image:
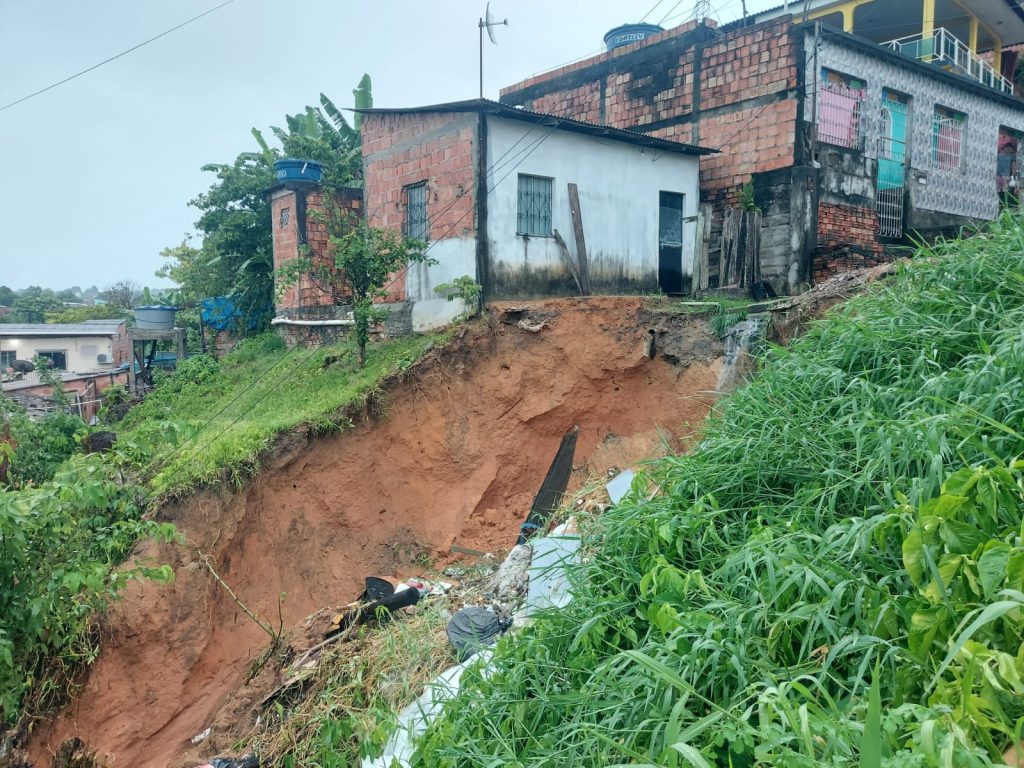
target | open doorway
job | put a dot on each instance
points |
(670, 242)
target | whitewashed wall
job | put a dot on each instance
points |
(618, 186)
(81, 351)
(456, 257)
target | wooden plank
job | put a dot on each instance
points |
(581, 243)
(569, 261)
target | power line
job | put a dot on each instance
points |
(117, 56)
(669, 12)
(652, 10)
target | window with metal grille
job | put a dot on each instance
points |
(416, 212)
(534, 210)
(840, 101)
(6, 358)
(948, 130)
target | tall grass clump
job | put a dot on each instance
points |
(834, 577)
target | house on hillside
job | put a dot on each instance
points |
(93, 345)
(88, 356)
(527, 204)
(848, 128)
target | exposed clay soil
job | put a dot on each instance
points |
(463, 446)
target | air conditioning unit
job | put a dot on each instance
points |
(103, 359)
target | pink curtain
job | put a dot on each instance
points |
(837, 121)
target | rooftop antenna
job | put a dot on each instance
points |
(488, 23)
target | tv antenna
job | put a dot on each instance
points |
(488, 23)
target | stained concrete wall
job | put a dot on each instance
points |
(619, 187)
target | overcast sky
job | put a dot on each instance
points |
(98, 172)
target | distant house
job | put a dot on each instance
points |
(490, 189)
(93, 345)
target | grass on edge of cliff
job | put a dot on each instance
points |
(211, 420)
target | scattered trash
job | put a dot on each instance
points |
(425, 586)
(474, 628)
(414, 719)
(549, 584)
(377, 588)
(199, 738)
(249, 761)
(506, 587)
(378, 609)
(619, 485)
(531, 328)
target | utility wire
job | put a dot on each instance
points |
(115, 57)
(652, 10)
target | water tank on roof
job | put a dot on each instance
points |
(294, 169)
(630, 33)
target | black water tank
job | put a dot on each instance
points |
(630, 33)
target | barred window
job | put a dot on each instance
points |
(839, 109)
(416, 211)
(534, 211)
(948, 129)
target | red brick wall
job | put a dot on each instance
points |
(121, 347)
(404, 149)
(847, 239)
(305, 293)
(738, 72)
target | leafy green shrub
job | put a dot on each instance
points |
(848, 531)
(255, 348)
(41, 446)
(60, 544)
(465, 288)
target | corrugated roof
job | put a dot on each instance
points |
(88, 328)
(554, 121)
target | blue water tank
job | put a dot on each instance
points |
(630, 33)
(294, 169)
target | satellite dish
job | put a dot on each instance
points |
(489, 24)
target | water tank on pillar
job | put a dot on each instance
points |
(630, 33)
(294, 169)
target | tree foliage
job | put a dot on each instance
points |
(7, 296)
(235, 258)
(123, 295)
(33, 303)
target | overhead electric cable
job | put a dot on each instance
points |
(115, 57)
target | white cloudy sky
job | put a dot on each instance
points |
(98, 172)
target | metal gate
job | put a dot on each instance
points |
(892, 167)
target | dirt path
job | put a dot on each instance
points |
(456, 458)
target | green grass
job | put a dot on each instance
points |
(835, 577)
(211, 421)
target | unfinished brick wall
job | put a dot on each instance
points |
(121, 347)
(744, 81)
(295, 228)
(847, 239)
(736, 90)
(440, 149)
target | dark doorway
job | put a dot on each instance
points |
(670, 243)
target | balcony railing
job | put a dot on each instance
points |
(948, 51)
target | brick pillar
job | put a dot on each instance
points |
(284, 225)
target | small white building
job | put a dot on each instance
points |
(490, 189)
(93, 345)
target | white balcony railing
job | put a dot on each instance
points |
(946, 50)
